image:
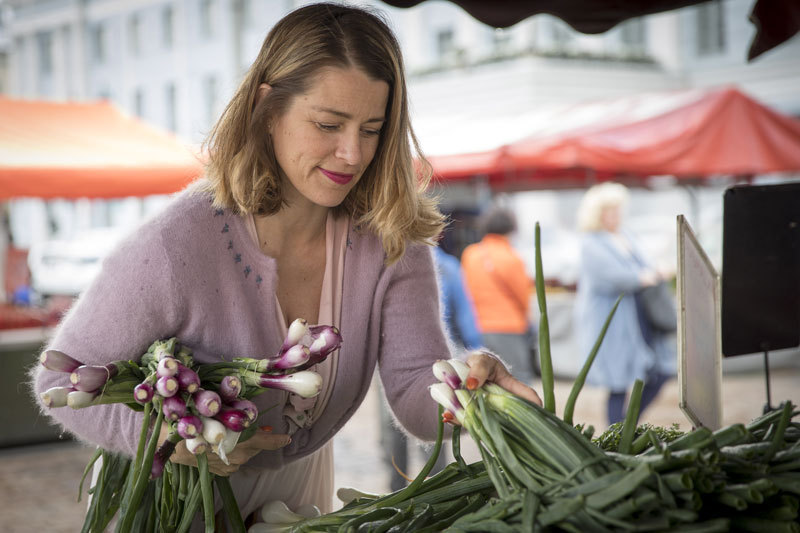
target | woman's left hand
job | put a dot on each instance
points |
(484, 367)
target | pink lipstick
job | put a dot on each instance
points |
(336, 177)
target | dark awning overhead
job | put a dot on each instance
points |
(776, 21)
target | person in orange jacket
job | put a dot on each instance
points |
(501, 289)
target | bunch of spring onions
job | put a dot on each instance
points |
(541, 473)
(550, 476)
(207, 405)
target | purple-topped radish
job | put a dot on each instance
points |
(207, 402)
(167, 386)
(233, 419)
(190, 426)
(143, 393)
(230, 387)
(446, 396)
(445, 373)
(167, 366)
(58, 361)
(325, 339)
(293, 357)
(188, 379)
(297, 330)
(247, 406)
(174, 407)
(90, 378)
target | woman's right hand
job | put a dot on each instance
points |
(261, 440)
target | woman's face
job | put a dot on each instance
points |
(328, 136)
(610, 218)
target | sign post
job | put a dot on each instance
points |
(699, 353)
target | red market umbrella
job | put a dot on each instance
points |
(686, 134)
(719, 132)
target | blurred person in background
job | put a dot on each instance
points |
(611, 264)
(458, 309)
(496, 278)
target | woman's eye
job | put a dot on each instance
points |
(327, 127)
(371, 133)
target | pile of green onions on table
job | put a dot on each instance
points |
(207, 405)
(540, 472)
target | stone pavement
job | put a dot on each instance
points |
(39, 484)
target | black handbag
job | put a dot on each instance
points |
(658, 306)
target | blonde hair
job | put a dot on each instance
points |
(243, 172)
(597, 198)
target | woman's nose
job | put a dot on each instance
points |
(349, 148)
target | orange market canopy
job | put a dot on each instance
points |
(73, 150)
(687, 134)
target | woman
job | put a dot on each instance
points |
(612, 264)
(311, 209)
(496, 278)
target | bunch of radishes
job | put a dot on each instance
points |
(208, 405)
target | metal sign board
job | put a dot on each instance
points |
(760, 261)
(699, 354)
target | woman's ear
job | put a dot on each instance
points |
(261, 93)
(263, 90)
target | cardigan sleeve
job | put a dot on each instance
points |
(412, 339)
(130, 304)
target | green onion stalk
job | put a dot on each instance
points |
(206, 405)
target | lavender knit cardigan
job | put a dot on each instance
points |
(194, 272)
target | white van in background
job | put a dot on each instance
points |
(67, 267)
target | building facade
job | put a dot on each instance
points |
(175, 63)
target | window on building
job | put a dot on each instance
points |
(501, 40)
(44, 45)
(139, 103)
(65, 56)
(167, 26)
(98, 43)
(210, 97)
(134, 34)
(170, 99)
(560, 33)
(3, 68)
(250, 12)
(710, 28)
(632, 35)
(207, 19)
(20, 50)
(445, 44)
